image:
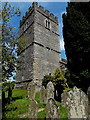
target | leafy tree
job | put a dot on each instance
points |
(8, 41)
(46, 79)
(59, 78)
(59, 81)
(21, 44)
(76, 31)
(56, 78)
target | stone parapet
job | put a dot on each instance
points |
(40, 9)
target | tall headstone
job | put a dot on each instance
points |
(31, 90)
(50, 90)
(43, 95)
(33, 109)
(52, 109)
(76, 102)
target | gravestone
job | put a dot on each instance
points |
(50, 90)
(31, 90)
(64, 97)
(88, 94)
(52, 109)
(43, 95)
(33, 109)
(76, 102)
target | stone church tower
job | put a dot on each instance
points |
(41, 54)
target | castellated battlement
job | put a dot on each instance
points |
(40, 9)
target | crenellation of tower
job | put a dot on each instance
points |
(40, 9)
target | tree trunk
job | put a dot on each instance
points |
(10, 94)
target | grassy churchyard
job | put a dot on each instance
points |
(19, 107)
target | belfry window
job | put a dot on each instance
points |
(47, 24)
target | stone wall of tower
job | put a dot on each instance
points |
(46, 47)
(26, 57)
(42, 51)
(25, 66)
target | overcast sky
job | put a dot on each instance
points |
(57, 8)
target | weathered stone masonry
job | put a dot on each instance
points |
(39, 29)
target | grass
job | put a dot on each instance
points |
(17, 94)
(63, 111)
(37, 98)
(42, 114)
(19, 106)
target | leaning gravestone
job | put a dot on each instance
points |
(33, 109)
(50, 90)
(52, 109)
(31, 90)
(88, 94)
(76, 102)
(43, 95)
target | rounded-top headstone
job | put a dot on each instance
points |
(43, 95)
(50, 86)
(32, 90)
(50, 90)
